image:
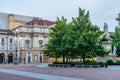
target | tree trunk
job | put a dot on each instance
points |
(56, 59)
(83, 56)
(67, 59)
(63, 57)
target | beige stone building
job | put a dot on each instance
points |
(30, 36)
(31, 39)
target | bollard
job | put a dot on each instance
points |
(106, 65)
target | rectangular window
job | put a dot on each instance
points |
(10, 47)
(40, 29)
(47, 30)
(2, 45)
(3, 40)
(30, 30)
(11, 40)
(27, 46)
(36, 57)
(27, 29)
(41, 44)
(43, 29)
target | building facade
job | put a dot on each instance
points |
(32, 37)
(7, 46)
(22, 38)
(30, 34)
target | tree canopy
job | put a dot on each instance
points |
(78, 38)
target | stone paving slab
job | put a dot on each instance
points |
(36, 75)
(110, 73)
(5, 76)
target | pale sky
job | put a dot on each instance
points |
(100, 10)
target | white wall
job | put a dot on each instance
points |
(7, 43)
(4, 19)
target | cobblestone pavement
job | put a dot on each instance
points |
(81, 73)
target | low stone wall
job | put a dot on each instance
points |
(75, 66)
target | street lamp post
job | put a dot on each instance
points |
(24, 54)
(16, 62)
(7, 49)
(20, 38)
(24, 51)
(16, 48)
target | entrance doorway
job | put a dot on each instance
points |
(2, 57)
(10, 58)
(29, 59)
(40, 58)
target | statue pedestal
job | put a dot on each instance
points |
(109, 57)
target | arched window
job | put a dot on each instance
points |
(40, 57)
(27, 43)
(2, 57)
(10, 58)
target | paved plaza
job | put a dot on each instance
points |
(43, 72)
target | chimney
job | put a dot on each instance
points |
(35, 21)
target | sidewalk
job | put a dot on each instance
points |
(36, 75)
(5, 76)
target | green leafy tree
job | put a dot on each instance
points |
(57, 43)
(87, 36)
(78, 38)
(115, 39)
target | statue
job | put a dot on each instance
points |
(105, 28)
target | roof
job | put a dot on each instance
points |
(40, 22)
(6, 31)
